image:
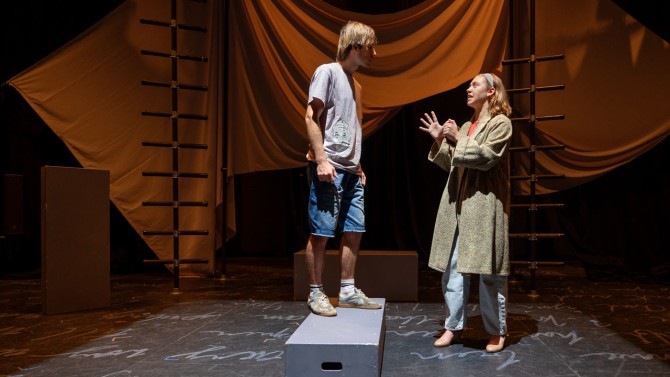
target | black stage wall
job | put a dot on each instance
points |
(617, 224)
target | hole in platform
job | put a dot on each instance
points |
(331, 366)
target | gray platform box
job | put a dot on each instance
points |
(350, 344)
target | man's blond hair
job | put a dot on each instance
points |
(352, 34)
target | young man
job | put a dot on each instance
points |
(336, 180)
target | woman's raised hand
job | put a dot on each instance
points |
(432, 127)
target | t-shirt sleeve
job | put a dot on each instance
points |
(318, 88)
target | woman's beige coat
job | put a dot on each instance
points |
(476, 199)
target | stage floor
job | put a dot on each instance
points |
(238, 327)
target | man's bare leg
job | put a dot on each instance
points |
(349, 295)
(314, 258)
(349, 246)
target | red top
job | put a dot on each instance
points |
(472, 128)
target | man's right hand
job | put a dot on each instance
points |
(326, 172)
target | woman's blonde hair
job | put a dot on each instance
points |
(498, 102)
(352, 34)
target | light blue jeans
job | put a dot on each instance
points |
(492, 297)
(338, 205)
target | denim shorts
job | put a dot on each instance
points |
(333, 206)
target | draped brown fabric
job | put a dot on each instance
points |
(615, 97)
(276, 46)
(89, 93)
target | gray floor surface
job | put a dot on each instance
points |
(239, 327)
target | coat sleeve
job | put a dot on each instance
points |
(441, 155)
(484, 155)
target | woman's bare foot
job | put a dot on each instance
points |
(447, 338)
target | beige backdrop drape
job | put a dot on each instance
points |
(89, 91)
(615, 73)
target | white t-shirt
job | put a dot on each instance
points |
(339, 121)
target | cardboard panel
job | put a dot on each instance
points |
(75, 239)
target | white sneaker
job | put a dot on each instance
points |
(318, 303)
(358, 300)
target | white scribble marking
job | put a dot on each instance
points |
(245, 355)
(572, 334)
(440, 356)
(620, 356)
(284, 333)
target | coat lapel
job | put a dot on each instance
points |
(481, 125)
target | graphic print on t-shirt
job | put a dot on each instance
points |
(341, 136)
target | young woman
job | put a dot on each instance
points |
(471, 228)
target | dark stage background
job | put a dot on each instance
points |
(617, 225)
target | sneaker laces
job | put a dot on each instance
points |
(320, 300)
(360, 293)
